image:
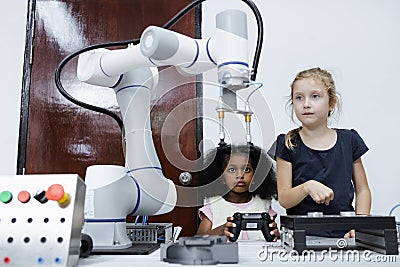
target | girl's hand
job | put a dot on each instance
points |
(319, 192)
(275, 231)
(229, 223)
(351, 233)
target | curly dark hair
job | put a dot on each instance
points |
(216, 160)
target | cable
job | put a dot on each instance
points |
(74, 100)
(259, 84)
(224, 76)
(137, 219)
(392, 209)
(144, 220)
(260, 36)
(167, 25)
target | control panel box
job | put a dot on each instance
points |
(41, 218)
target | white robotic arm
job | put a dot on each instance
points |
(113, 192)
(227, 50)
(141, 188)
(104, 67)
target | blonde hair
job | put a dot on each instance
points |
(325, 79)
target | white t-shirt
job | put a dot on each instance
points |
(217, 209)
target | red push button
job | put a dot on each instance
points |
(24, 196)
(56, 193)
(6, 260)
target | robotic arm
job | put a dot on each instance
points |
(226, 50)
(132, 74)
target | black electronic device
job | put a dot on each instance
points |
(377, 233)
(251, 221)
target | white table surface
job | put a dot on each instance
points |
(249, 255)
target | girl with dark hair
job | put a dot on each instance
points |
(244, 181)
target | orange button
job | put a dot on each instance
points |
(55, 192)
(24, 196)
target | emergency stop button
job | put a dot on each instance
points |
(56, 193)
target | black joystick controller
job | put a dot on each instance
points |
(251, 221)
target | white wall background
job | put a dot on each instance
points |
(357, 40)
(12, 31)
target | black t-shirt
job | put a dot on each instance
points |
(332, 167)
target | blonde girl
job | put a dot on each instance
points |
(319, 169)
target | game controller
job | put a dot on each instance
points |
(251, 221)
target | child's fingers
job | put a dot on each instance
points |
(323, 197)
(350, 234)
(230, 224)
(227, 233)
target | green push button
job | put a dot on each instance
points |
(6, 196)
